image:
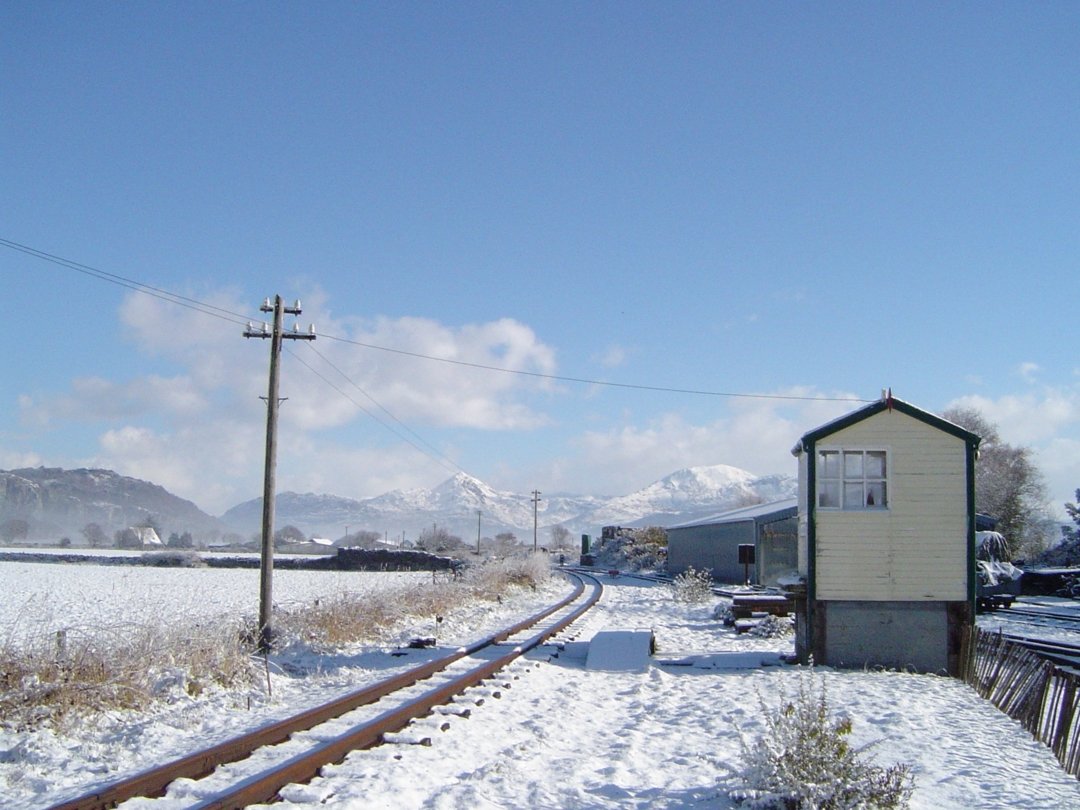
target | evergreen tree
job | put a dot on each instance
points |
(1072, 533)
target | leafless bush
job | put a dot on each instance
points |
(692, 586)
(46, 680)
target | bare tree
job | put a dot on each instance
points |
(361, 539)
(288, 535)
(128, 538)
(439, 540)
(560, 538)
(14, 529)
(1008, 485)
(506, 543)
(95, 535)
(184, 540)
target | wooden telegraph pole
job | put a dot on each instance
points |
(535, 501)
(266, 568)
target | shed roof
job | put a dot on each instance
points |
(889, 403)
(758, 512)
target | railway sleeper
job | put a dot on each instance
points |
(406, 738)
(453, 710)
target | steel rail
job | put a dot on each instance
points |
(1071, 617)
(1058, 651)
(154, 781)
(264, 787)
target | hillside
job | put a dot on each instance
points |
(55, 503)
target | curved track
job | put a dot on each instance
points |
(450, 675)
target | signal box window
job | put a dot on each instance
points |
(852, 479)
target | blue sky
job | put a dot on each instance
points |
(813, 200)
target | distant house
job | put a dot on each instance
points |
(712, 544)
(886, 539)
(135, 537)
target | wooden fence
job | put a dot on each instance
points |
(1042, 696)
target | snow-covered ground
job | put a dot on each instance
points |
(565, 736)
(45, 597)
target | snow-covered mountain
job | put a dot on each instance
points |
(684, 495)
(693, 493)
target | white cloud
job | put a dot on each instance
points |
(422, 391)
(95, 399)
(756, 435)
(1028, 371)
(12, 460)
(199, 431)
(1048, 421)
(612, 357)
(216, 464)
(1028, 418)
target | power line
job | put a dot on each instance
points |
(218, 312)
(586, 381)
(131, 284)
(225, 314)
(435, 455)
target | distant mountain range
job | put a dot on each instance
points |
(682, 496)
(60, 502)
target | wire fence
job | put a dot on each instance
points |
(1042, 696)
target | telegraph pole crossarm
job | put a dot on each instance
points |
(276, 334)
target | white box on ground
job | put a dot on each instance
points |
(620, 650)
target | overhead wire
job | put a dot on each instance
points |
(586, 381)
(435, 454)
(129, 283)
(218, 312)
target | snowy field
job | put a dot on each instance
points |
(563, 736)
(45, 597)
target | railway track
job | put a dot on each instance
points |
(1059, 652)
(1027, 623)
(294, 750)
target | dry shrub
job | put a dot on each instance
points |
(692, 586)
(804, 761)
(49, 679)
(491, 580)
(348, 618)
(773, 627)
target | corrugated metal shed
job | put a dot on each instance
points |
(712, 543)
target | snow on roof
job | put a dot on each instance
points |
(743, 513)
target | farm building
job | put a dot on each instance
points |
(886, 539)
(713, 544)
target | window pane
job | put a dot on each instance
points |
(875, 494)
(853, 495)
(875, 464)
(829, 466)
(853, 466)
(829, 494)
